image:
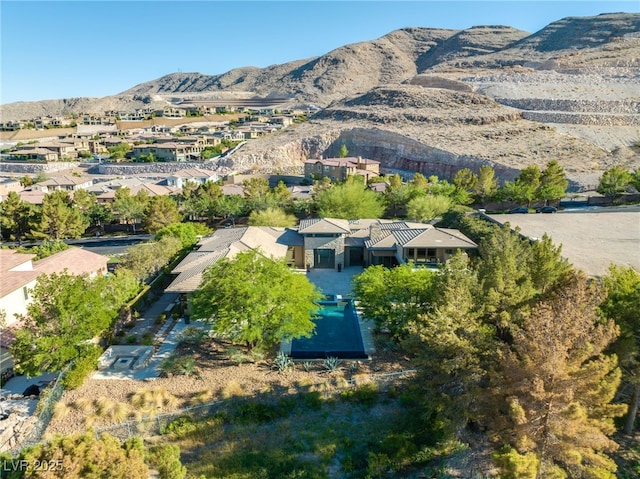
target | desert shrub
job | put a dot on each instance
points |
(147, 339)
(179, 427)
(179, 366)
(312, 400)
(202, 397)
(84, 364)
(103, 406)
(83, 404)
(282, 362)
(331, 364)
(84, 456)
(161, 318)
(166, 459)
(258, 413)
(119, 412)
(148, 401)
(191, 335)
(232, 389)
(60, 410)
(367, 395)
(131, 339)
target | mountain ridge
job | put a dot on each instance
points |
(444, 99)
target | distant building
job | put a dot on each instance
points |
(7, 185)
(192, 175)
(338, 169)
(65, 183)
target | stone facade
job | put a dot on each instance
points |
(312, 243)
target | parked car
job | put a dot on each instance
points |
(547, 209)
(519, 209)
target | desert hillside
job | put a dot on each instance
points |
(436, 100)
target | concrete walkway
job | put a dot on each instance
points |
(148, 319)
(152, 370)
(332, 282)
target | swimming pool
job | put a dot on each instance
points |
(337, 334)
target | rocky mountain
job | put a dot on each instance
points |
(435, 100)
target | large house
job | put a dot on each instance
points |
(325, 243)
(338, 169)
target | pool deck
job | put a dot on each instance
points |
(332, 282)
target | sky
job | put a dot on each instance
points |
(54, 49)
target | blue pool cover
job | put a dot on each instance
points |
(337, 334)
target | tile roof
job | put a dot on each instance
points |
(323, 225)
(226, 243)
(66, 181)
(193, 173)
(76, 261)
(15, 271)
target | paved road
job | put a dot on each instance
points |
(108, 246)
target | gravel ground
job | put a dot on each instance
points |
(217, 372)
(591, 240)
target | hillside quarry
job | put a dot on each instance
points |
(436, 101)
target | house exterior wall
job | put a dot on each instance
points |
(16, 302)
(323, 242)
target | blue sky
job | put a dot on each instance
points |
(53, 49)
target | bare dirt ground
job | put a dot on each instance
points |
(591, 240)
(219, 375)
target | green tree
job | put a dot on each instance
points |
(553, 183)
(394, 298)
(230, 206)
(146, 259)
(554, 386)
(258, 194)
(272, 217)
(187, 233)
(465, 179)
(547, 267)
(83, 200)
(99, 215)
(614, 182)
(622, 304)
(82, 456)
(635, 179)
(17, 217)
(505, 280)
(419, 183)
(119, 151)
(256, 300)
(129, 208)
(487, 185)
(66, 311)
(161, 211)
(343, 151)
(48, 248)
(451, 346)
(350, 200)
(427, 208)
(282, 194)
(59, 217)
(529, 180)
(397, 194)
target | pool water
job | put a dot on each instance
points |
(337, 334)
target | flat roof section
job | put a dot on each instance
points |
(591, 240)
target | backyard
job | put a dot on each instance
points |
(204, 370)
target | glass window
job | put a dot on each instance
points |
(421, 254)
